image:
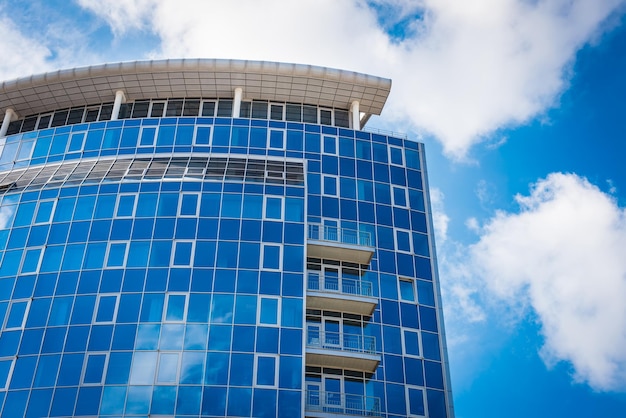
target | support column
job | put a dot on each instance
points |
(119, 99)
(356, 115)
(237, 102)
(9, 116)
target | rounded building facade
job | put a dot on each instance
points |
(211, 238)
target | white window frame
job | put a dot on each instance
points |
(401, 153)
(269, 110)
(97, 307)
(336, 178)
(201, 110)
(419, 342)
(280, 256)
(166, 303)
(51, 114)
(142, 129)
(158, 367)
(69, 141)
(336, 144)
(104, 368)
(54, 206)
(118, 201)
(269, 136)
(10, 373)
(191, 255)
(195, 135)
(42, 250)
(255, 370)
(282, 208)
(395, 237)
(180, 204)
(88, 109)
(106, 255)
(413, 284)
(152, 102)
(328, 109)
(406, 196)
(8, 313)
(408, 400)
(278, 310)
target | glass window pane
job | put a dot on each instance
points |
(106, 308)
(168, 368)
(407, 291)
(273, 208)
(266, 371)
(269, 311)
(175, 307)
(95, 368)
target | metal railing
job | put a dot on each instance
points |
(341, 235)
(342, 404)
(334, 284)
(341, 342)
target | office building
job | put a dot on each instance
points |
(205, 238)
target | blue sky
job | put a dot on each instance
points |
(520, 104)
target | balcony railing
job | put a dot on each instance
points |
(334, 284)
(339, 235)
(342, 404)
(341, 342)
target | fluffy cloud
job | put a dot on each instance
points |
(563, 256)
(461, 70)
(15, 63)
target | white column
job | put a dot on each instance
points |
(237, 102)
(119, 99)
(356, 115)
(9, 116)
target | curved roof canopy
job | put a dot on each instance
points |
(210, 78)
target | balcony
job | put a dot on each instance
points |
(333, 293)
(327, 404)
(335, 349)
(336, 243)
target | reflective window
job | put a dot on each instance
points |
(271, 257)
(411, 343)
(189, 204)
(168, 368)
(416, 401)
(273, 207)
(95, 365)
(182, 253)
(266, 370)
(330, 185)
(268, 311)
(399, 196)
(17, 314)
(176, 307)
(403, 240)
(407, 289)
(117, 254)
(126, 205)
(106, 308)
(277, 139)
(44, 211)
(396, 156)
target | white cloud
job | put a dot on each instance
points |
(563, 256)
(464, 70)
(15, 62)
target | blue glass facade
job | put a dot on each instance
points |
(213, 266)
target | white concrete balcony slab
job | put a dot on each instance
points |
(336, 243)
(347, 351)
(321, 404)
(332, 293)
